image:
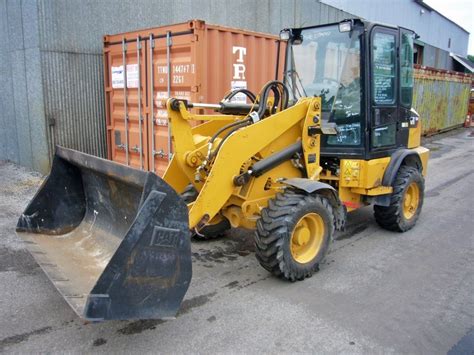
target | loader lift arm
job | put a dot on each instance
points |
(238, 148)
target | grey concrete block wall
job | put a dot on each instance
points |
(23, 126)
(9, 143)
(20, 122)
(51, 61)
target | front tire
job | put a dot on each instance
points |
(293, 235)
(406, 201)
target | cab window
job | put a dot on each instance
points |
(406, 69)
(384, 69)
(326, 63)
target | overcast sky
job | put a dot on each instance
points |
(459, 11)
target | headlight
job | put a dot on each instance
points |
(345, 26)
(285, 35)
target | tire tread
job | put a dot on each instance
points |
(273, 228)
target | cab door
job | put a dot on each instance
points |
(384, 83)
(406, 118)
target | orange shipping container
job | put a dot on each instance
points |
(193, 61)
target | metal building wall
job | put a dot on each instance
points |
(51, 61)
(433, 28)
(437, 58)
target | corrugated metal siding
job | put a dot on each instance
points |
(436, 58)
(72, 62)
(432, 27)
(51, 64)
(74, 101)
(441, 98)
(311, 12)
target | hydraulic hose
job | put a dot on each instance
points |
(226, 127)
(273, 85)
(281, 94)
(247, 93)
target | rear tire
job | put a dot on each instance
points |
(211, 231)
(293, 235)
(406, 201)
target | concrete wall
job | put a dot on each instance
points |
(22, 126)
(51, 61)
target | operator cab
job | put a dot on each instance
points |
(363, 73)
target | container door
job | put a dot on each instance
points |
(171, 73)
(126, 103)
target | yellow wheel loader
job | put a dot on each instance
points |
(338, 134)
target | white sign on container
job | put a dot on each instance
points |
(118, 76)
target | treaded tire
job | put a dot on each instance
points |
(209, 232)
(275, 228)
(391, 217)
(189, 194)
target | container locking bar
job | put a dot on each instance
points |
(152, 103)
(139, 92)
(125, 103)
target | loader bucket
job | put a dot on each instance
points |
(113, 240)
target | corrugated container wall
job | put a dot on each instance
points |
(193, 61)
(441, 98)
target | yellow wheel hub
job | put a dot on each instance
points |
(307, 238)
(411, 200)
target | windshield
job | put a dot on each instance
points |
(327, 64)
